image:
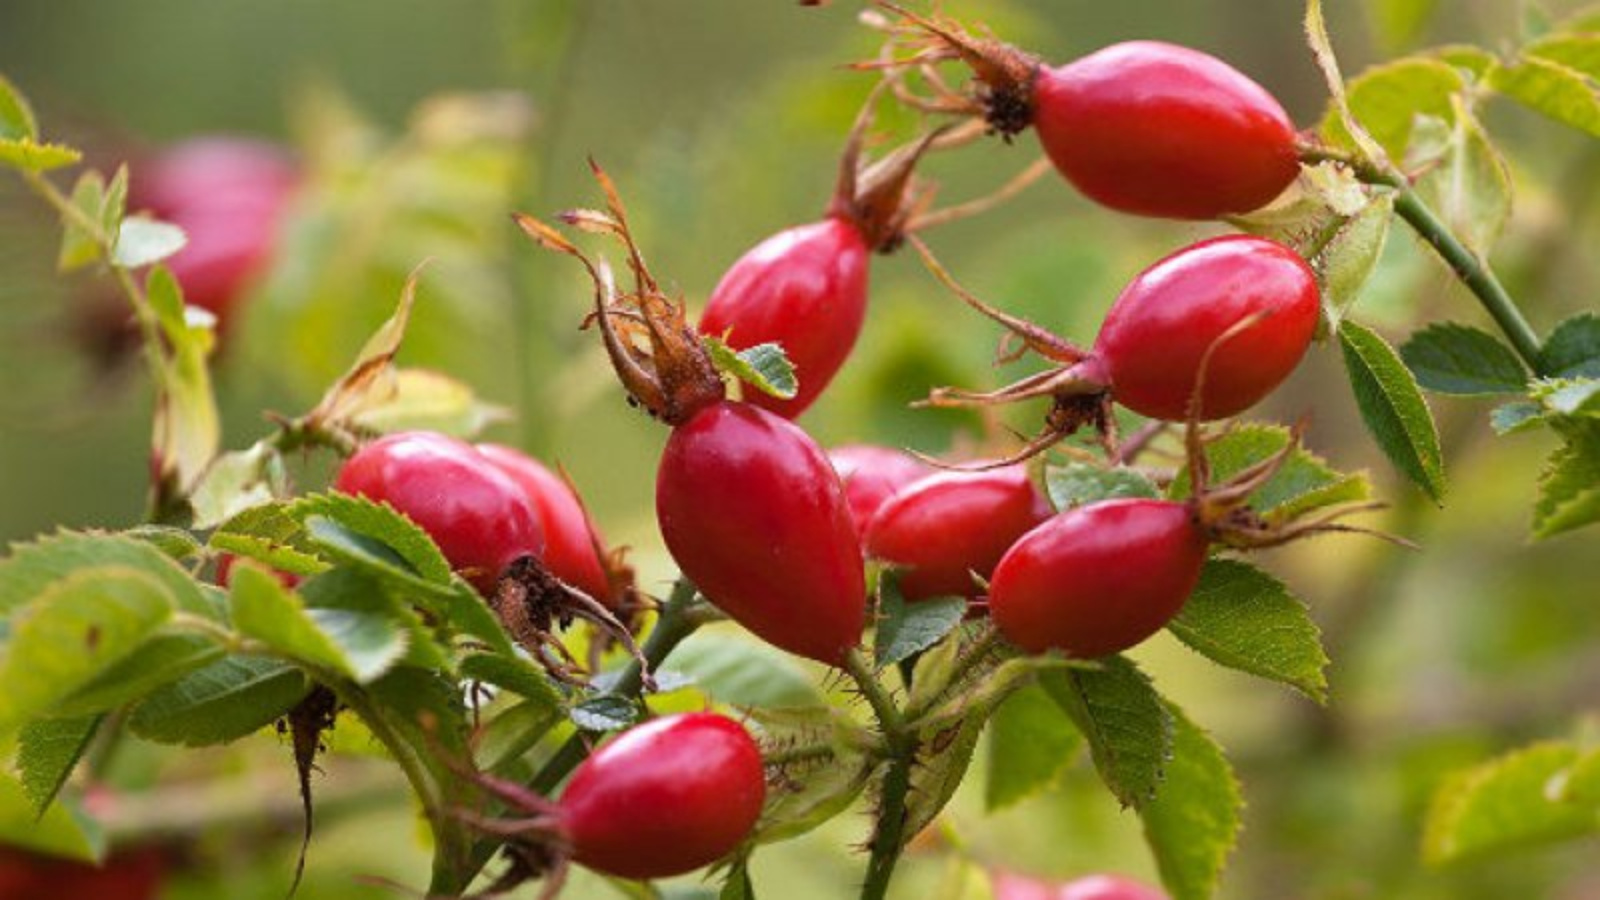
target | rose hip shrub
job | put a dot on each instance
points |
(827, 636)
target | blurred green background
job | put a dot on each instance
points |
(422, 124)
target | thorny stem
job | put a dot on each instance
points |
(900, 742)
(1472, 271)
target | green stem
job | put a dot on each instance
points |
(888, 832)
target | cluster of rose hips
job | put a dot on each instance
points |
(776, 533)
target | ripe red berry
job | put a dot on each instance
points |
(804, 288)
(872, 475)
(130, 874)
(1099, 578)
(1156, 129)
(756, 517)
(948, 527)
(572, 548)
(229, 196)
(1108, 887)
(479, 517)
(665, 797)
(1154, 337)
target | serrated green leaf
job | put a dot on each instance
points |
(512, 732)
(1569, 398)
(1469, 186)
(515, 674)
(1346, 262)
(1573, 349)
(743, 672)
(1393, 408)
(361, 644)
(906, 629)
(188, 430)
(943, 755)
(424, 400)
(78, 246)
(47, 752)
(816, 766)
(1193, 823)
(77, 628)
(1243, 618)
(269, 535)
(30, 155)
(605, 712)
(1128, 727)
(1450, 358)
(16, 116)
(1579, 52)
(1316, 31)
(1552, 89)
(227, 700)
(1388, 100)
(1518, 415)
(61, 831)
(1506, 803)
(764, 367)
(163, 659)
(1030, 744)
(176, 543)
(1075, 484)
(1303, 484)
(142, 241)
(32, 568)
(394, 544)
(1569, 488)
(237, 481)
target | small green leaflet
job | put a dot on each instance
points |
(61, 831)
(360, 645)
(33, 568)
(1468, 184)
(1193, 824)
(188, 428)
(1030, 744)
(1075, 484)
(1569, 487)
(605, 712)
(269, 535)
(512, 732)
(943, 755)
(47, 752)
(368, 534)
(1573, 349)
(764, 367)
(163, 659)
(736, 670)
(424, 400)
(227, 700)
(32, 156)
(1346, 262)
(1393, 408)
(1243, 618)
(1389, 99)
(1316, 29)
(16, 116)
(1551, 89)
(816, 763)
(1305, 482)
(238, 481)
(1449, 358)
(906, 629)
(1128, 726)
(1506, 803)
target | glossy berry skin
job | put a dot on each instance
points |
(480, 518)
(571, 543)
(872, 475)
(756, 517)
(665, 797)
(1108, 887)
(806, 289)
(229, 195)
(946, 527)
(1098, 579)
(1157, 332)
(1155, 129)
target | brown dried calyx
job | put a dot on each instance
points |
(1005, 75)
(882, 198)
(656, 353)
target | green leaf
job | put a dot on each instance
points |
(1579, 52)
(1389, 99)
(515, 730)
(1569, 398)
(1346, 262)
(1030, 744)
(1303, 484)
(906, 629)
(1075, 484)
(737, 884)
(1551, 89)
(142, 241)
(238, 481)
(742, 672)
(1316, 30)
(1569, 488)
(764, 367)
(371, 380)
(359, 644)
(1510, 802)
(77, 628)
(269, 535)
(16, 115)
(163, 659)
(227, 700)
(1129, 729)
(1573, 349)
(47, 752)
(33, 568)
(1393, 408)
(424, 400)
(1193, 823)
(1518, 415)
(1449, 358)
(943, 754)
(605, 712)
(79, 248)
(515, 674)
(32, 156)
(1243, 618)
(1469, 185)
(61, 831)
(371, 535)
(816, 763)
(188, 429)
(175, 543)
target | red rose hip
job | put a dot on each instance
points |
(572, 549)
(479, 517)
(872, 475)
(1155, 129)
(665, 797)
(1098, 579)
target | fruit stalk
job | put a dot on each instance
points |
(900, 743)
